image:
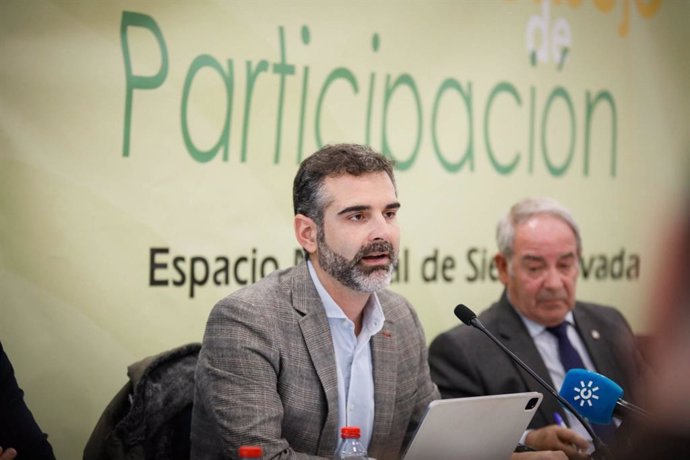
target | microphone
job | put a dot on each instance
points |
(468, 317)
(597, 397)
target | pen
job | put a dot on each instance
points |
(559, 420)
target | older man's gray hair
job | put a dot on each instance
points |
(523, 211)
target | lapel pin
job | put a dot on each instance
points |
(386, 333)
(595, 334)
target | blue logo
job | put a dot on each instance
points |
(585, 393)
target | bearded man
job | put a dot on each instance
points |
(288, 361)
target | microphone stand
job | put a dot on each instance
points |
(601, 450)
(625, 406)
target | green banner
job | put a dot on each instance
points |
(147, 151)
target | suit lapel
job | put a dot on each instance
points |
(513, 333)
(317, 336)
(596, 342)
(383, 351)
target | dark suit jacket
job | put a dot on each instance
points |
(18, 429)
(267, 374)
(464, 362)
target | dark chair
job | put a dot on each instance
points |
(149, 418)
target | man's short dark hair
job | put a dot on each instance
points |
(333, 161)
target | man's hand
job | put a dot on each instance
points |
(7, 454)
(554, 437)
(539, 455)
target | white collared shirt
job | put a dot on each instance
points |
(547, 345)
(353, 360)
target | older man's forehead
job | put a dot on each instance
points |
(539, 257)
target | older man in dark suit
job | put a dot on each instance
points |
(538, 318)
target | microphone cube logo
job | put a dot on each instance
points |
(593, 395)
(586, 392)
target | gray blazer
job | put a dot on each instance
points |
(464, 362)
(267, 375)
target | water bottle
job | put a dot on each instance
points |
(351, 447)
(245, 452)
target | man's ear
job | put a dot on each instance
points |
(306, 232)
(502, 266)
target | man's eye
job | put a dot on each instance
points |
(357, 217)
(391, 214)
(566, 267)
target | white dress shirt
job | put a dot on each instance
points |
(353, 360)
(547, 345)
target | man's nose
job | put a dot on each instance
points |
(553, 280)
(380, 228)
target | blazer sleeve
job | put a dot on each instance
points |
(237, 397)
(18, 429)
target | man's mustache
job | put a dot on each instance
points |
(551, 296)
(377, 247)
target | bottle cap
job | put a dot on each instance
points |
(251, 452)
(348, 432)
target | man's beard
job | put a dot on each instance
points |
(351, 273)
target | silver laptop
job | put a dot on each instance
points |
(478, 428)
